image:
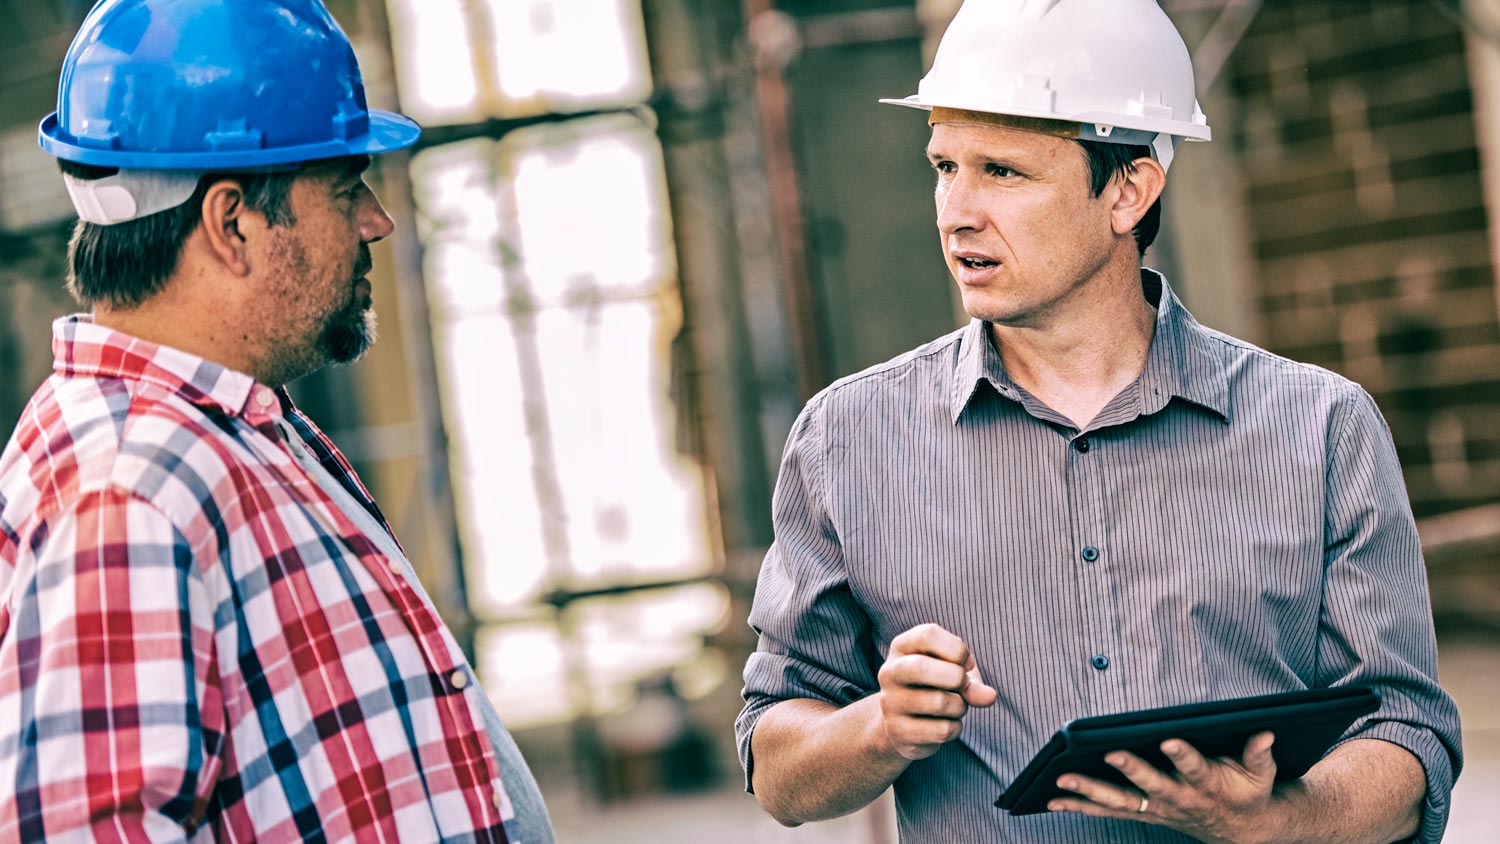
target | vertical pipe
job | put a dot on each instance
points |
(774, 40)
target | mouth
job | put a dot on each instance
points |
(975, 261)
(974, 269)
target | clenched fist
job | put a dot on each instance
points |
(927, 684)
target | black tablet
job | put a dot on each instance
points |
(1306, 724)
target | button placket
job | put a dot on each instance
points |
(1098, 632)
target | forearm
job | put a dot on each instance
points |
(1365, 792)
(814, 761)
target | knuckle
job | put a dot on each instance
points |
(953, 676)
(953, 730)
(940, 730)
(954, 706)
(896, 669)
(925, 633)
(936, 702)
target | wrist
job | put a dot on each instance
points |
(878, 740)
(1278, 823)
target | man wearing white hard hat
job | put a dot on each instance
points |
(1085, 503)
(208, 631)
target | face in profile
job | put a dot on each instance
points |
(320, 303)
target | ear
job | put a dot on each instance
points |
(224, 214)
(1138, 188)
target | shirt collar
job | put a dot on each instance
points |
(81, 347)
(1184, 361)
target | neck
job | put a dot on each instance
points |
(175, 317)
(1080, 360)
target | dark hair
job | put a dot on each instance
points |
(127, 263)
(1106, 161)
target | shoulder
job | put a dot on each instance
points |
(80, 437)
(1299, 408)
(1256, 375)
(907, 380)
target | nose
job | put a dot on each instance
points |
(958, 205)
(375, 224)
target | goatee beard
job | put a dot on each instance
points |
(348, 334)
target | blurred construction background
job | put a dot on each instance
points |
(637, 234)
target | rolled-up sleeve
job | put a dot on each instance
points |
(1376, 619)
(815, 639)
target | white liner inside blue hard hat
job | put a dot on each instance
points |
(130, 194)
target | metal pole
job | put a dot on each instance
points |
(775, 40)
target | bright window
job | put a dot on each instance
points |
(551, 279)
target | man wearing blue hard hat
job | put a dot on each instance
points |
(207, 629)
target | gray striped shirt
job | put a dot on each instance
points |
(1233, 523)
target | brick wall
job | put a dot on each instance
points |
(1368, 224)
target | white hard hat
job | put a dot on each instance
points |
(1116, 68)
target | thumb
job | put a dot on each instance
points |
(977, 692)
(1258, 761)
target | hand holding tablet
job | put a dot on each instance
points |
(1306, 724)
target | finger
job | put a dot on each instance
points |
(930, 703)
(922, 733)
(921, 670)
(1191, 764)
(1258, 761)
(977, 692)
(1084, 807)
(934, 641)
(1146, 776)
(1100, 792)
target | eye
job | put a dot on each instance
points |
(946, 167)
(1001, 171)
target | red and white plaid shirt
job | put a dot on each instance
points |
(197, 643)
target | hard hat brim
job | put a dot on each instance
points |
(1186, 131)
(388, 132)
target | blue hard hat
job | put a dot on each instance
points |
(214, 84)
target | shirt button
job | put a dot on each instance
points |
(395, 567)
(1090, 554)
(1081, 445)
(459, 679)
(1100, 661)
(265, 398)
(499, 798)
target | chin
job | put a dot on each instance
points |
(991, 308)
(347, 337)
